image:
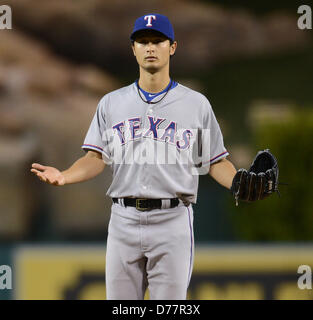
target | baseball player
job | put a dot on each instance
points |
(157, 136)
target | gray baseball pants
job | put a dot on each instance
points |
(149, 249)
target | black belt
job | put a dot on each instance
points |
(146, 204)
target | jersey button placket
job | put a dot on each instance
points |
(144, 142)
(141, 173)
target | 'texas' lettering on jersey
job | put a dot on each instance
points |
(131, 130)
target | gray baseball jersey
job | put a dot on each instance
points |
(156, 150)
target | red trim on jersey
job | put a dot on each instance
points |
(221, 154)
(218, 156)
(91, 145)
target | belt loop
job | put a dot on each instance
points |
(166, 203)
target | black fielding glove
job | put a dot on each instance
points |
(259, 181)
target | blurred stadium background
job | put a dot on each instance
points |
(254, 65)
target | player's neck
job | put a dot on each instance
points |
(155, 82)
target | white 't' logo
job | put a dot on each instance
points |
(149, 18)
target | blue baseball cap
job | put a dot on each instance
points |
(156, 22)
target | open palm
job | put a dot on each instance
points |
(47, 174)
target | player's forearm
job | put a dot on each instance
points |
(223, 172)
(83, 169)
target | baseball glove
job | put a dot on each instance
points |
(259, 181)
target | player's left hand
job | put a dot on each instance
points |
(259, 181)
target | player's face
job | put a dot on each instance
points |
(153, 51)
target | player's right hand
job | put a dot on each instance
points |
(47, 174)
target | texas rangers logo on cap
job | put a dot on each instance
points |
(149, 18)
(154, 21)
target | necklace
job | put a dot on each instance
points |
(154, 102)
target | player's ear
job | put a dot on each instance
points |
(173, 47)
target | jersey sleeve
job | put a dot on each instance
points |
(213, 148)
(96, 139)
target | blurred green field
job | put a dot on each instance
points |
(232, 86)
